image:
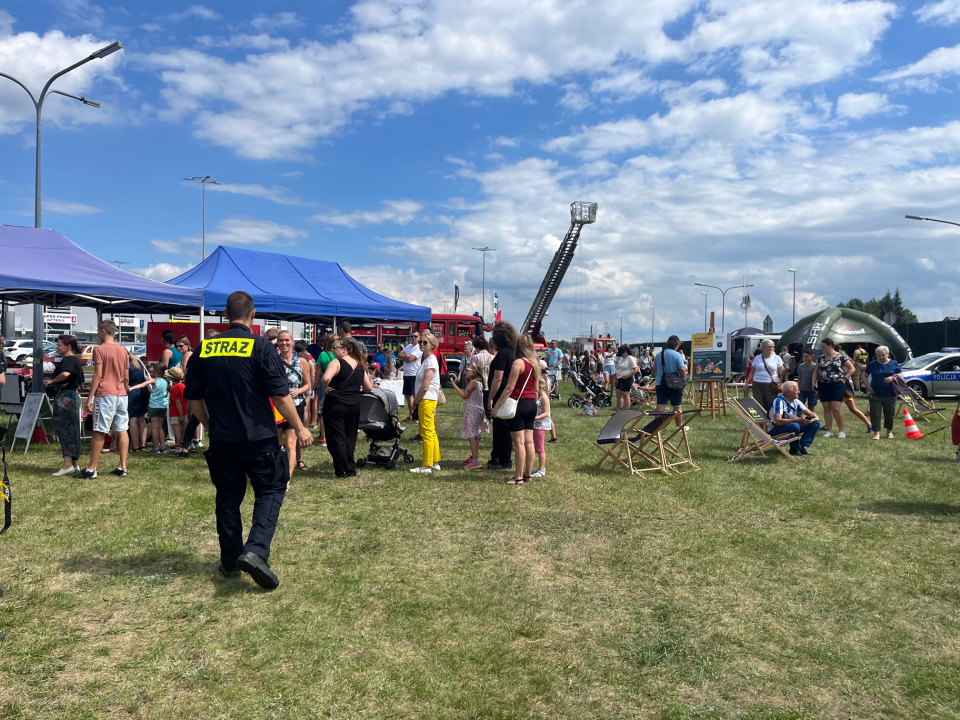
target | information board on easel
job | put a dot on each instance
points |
(710, 369)
(36, 411)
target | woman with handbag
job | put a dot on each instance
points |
(833, 369)
(671, 374)
(425, 400)
(66, 404)
(767, 375)
(518, 406)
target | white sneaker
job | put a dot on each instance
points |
(421, 470)
(539, 473)
(437, 466)
(66, 471)
(828, 434)
(841, 436)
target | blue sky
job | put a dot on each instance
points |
(720, 138)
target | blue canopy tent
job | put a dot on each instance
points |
(41, 266)
(292, 288)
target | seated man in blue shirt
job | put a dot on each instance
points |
(789, 415)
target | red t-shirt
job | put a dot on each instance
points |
(528, 392)
(178, 406)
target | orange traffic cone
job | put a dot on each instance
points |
(913, 433)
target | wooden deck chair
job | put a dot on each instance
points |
(917, 406)
(649, 399)
(676, 444)
(613, 438)
(647, 446)
(756, 439)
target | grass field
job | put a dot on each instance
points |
(764, 589)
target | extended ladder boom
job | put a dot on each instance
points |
(581, 213)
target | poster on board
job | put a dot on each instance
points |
(711, 356)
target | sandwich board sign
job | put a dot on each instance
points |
(711, 356)
(36, 410)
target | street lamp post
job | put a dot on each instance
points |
(204, 181)
(38, 105)
(945, 222)
(653, 324)
(704, 293)
(723, 301)
(483, 299)
(558, 334)
(621, 328)
(794, 273)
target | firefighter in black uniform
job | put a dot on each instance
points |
(231, 381)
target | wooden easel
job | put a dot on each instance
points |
(712, 397)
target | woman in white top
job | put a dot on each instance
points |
(625, 370)
(610, 368)
(425, 402)
(767, 369)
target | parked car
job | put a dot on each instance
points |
(934, 374)
(19, 350)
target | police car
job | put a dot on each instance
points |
(934, 374)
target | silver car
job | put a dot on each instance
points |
(933, 374)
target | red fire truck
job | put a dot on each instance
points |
(451, 330)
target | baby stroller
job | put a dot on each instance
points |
(553, 381)
(578, 399)
(601, 396)
(378, 421)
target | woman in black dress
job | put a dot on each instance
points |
(137, 405)
(344, 380)
(66, 404)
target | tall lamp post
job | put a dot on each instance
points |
(723, 301)
(38, 105)
(621, 328)
(483, 300)
(704, 293)
(945, 222)
(204, 181)
(653, 324)
(794, 273)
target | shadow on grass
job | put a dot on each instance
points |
(906, 507)
(159, 568)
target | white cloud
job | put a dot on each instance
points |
(399, 212)
(575, 98)
(859, 105)
(279, 21)
(277, 194)
(743, 120)
(62, 207)
(503, 141)
(944, 12)
(236, 230)
(161, 271)
(201, 12)
(6, 23)
(32, 59)
(936, 64)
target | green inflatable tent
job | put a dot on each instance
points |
(848, 328)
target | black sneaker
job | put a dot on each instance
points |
(87, 474)
(795, 452)
(231, 574)
(496, 466)
(184, 453)
(258, 569)
(119, 472)
(804, 451)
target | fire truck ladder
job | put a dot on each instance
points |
(581, 213)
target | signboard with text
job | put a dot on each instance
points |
(711, 356)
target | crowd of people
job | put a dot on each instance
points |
(132, 402)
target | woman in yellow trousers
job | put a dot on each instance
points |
(425, 403)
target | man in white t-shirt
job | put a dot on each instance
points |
(410, 356)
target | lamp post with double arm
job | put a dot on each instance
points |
(723, 301)
(38, 106)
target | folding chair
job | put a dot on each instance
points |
(676, 446)
(918, 407)
(648, 444)
(756, 439)
(613, 438)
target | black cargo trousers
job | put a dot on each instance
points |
(230, 464)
